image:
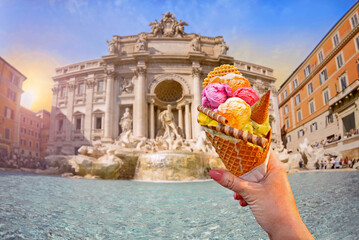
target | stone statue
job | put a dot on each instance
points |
(127, 85)
(126, 121)
(195, 44)
(168, 124)
(179, 28)
(156, 28)
(223, 48)
(141, 43)
(113, 45)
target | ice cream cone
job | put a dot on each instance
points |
(239, 157)
(259, 111)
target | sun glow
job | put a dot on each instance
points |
(27, 99)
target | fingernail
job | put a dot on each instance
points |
(236, 196)
(216, 174)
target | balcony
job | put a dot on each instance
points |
(345, 93)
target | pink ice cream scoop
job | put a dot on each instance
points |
(215, 94)
(248, 94)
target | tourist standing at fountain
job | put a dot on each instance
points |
(271, 200)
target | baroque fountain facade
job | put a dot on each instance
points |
(141, 78)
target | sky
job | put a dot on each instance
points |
(37, 36)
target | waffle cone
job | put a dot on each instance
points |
(259, 110)
(219, 72)
(238, 156)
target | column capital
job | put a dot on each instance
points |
(55, 90)
(71, 86)
(140, 70)
(196, 71)
(90, 83)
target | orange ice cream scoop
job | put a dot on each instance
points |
(236, 111)
(234, 80)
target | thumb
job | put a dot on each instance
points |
(228, 180)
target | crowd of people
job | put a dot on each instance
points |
(336, 138)
(18, 161)
(332, 163)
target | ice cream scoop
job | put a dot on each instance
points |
(234, 80)
(248, 94)
(236, 111)
(215, 94)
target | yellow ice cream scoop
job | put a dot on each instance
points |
(204, 120)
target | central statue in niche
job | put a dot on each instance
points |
(169, 128)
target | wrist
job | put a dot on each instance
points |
(290, 228)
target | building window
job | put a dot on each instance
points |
(81, 88)
(323, 76)
(300, 133)
(62, 92)
(310, 88)
(30, 144)
(285, 94)
(326, 96)
(248, 68)
(286, 109)
(307, 71)
(329, 119)
(340, 61)
(313, 127)
(299, 115)
(23, 119)
(348, 123)
(78, 123)
(9, 113)
(336, 40)
(264, 71)
(60, 125)
(98, 122)
(297, 99)
(354, 20)
(11, 95)
(295, 83)
(289, 139)
(343, 81)
(287, 124)
(312, 106)
(320, 56)
(100, 86)
(31, 122)
(7, 133)
(37, 145)
(357, 43)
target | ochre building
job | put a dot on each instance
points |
(11, 81)
(319, 100)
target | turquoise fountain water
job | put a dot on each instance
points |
(46, 207)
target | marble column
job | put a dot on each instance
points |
(68, 124)
(180, 117)
(152, 119)
(109, 106)
(188, 126)
(87, 125)
(158, 122)
(197, 90)
(140, 106)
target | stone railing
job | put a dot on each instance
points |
(79, 67)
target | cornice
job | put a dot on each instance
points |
(329, 57)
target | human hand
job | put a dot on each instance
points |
(271, 200)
